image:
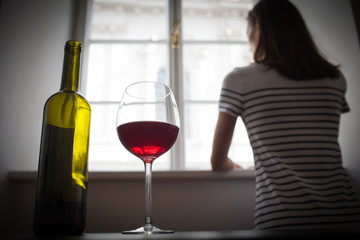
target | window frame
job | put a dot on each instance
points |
(175, 67)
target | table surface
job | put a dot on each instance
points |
(202, 235)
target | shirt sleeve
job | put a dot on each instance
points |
(230, 99)
(344, 104)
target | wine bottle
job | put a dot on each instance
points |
(60, 206)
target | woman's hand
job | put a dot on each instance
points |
(226, 165)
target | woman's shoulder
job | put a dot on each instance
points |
(246, 73)
(250, 69)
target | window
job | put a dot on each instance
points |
(130, 40)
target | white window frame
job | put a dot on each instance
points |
(175, 59)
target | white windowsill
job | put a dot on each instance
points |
(20, 176)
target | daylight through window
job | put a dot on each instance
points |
(129, 41)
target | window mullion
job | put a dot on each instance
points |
(175, 76)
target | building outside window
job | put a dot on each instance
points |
(130, 40)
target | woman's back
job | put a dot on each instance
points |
(293, 130)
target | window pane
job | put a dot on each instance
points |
(200, 120)
(214, 43)
(106, 153)
(225, 20)
(240, 150)
(122, 51)
(199, 132)
(112, 67)
(206, 65)
(129, 19)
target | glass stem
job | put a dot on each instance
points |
(148, 200)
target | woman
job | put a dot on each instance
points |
(290, 100)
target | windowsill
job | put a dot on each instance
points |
(21, 176)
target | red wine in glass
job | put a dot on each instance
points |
(147, 124)
(147, 139)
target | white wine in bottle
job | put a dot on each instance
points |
(60, 206)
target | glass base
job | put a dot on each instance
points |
(148, 231)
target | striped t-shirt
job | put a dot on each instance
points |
(293, 130)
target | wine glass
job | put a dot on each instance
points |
(147, 126)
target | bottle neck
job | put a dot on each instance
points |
(71, 67)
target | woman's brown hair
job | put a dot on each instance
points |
(286, 42)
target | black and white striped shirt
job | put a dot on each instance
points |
(293, 130)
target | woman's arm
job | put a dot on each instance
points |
(221, 143)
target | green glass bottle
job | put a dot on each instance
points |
(60, 206)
